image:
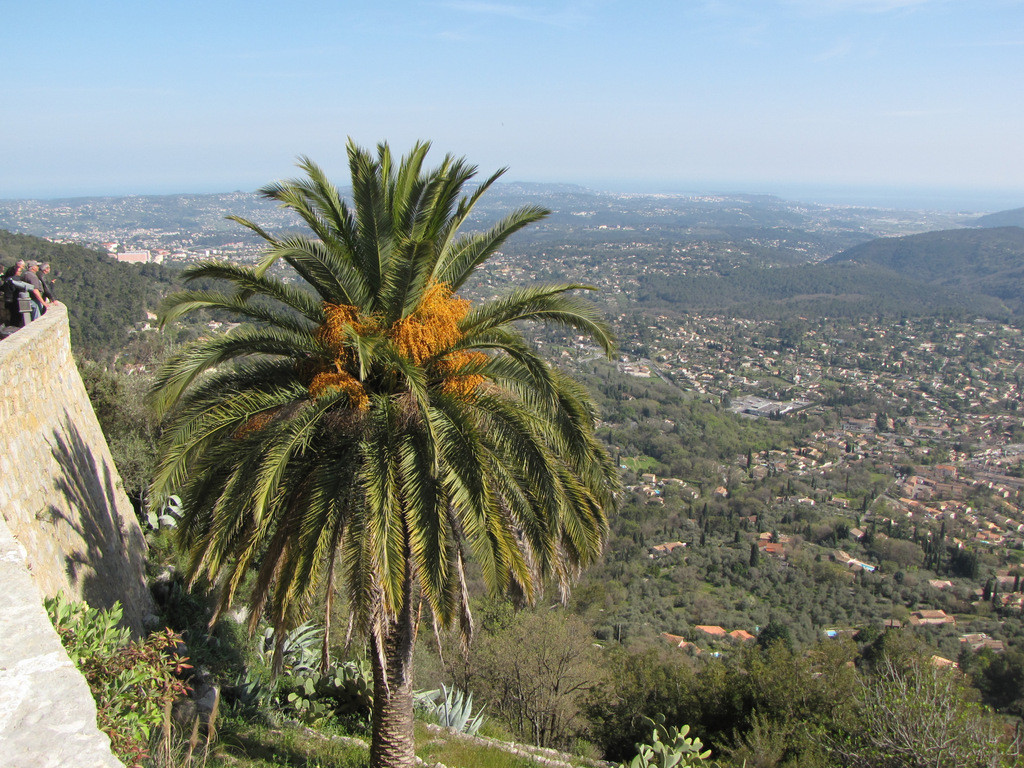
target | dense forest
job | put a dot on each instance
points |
(980, 261)
(957, 273)
(818, 290)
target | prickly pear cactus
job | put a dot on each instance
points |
(350, 687)
(669, 748)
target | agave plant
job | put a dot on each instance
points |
(299, 651)
(453, 709)
(166, 516)
(250, 691)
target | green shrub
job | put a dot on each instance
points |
(297, 696)
(132, 682)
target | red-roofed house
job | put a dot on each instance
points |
(680, 642)
(712, 630)
(931, 617)
(769, 548)
(667, 548)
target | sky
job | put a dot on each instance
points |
(882, 99)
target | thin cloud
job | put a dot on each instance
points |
(916, 113)
(840, 50)
(570, 15)
(866, 6)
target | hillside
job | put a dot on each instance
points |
(104, 297)
(989, 262)
(820, 290)
(1011, 218)
(780, 231)
(958, 272)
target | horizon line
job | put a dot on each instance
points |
(886, 196)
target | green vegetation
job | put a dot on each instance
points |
(134, 683)
(453, 709)
(129, 425)
(779, 515)
(640, 464)
(450, 750)
(247, 744)
(956, 273)
(625, 600)
(985, 262)
(832, 289)
(668, 747)
(913, 714)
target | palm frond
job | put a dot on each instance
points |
(546, 304)
(463, 256)
(183, 368)
(177, 304)
(249, 282)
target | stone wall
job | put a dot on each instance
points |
(65, 526)
(47, 714)
(60, 494)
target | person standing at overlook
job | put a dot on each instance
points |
(31, 276)
(14, 282)
(47, 282)
(12, 272)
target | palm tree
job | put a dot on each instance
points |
(368, 419)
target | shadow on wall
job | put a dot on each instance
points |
(100, 566)
(60, 494)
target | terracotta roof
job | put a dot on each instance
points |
(680, 642)
(711, 630)
(668, 546)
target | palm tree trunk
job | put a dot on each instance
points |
(392, 743)
(325, 649)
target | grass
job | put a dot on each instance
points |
(640, 464)
(245, 744)
(457, 753)
(251, 745)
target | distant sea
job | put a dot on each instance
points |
(965, 200)
(921, 198)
